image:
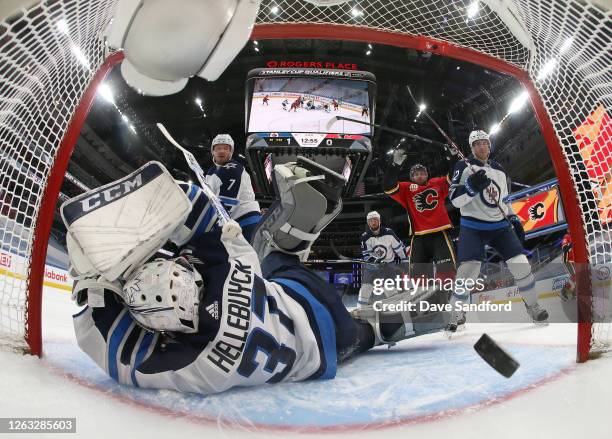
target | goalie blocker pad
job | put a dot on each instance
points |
(115, 228)
(309, 198)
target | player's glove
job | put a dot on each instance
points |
(399, 156)
(476, 182)
(231, 230)
(517, 225)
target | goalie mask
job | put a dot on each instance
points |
(164, 295)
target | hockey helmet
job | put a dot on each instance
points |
(164, 295)
(372, 215)
(417, 167)
(478, 135)
(222, 139)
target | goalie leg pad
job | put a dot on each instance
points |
(115, 228)
(392, 326)
(309, 199)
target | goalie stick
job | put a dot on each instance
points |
(334, 119)
(222, 214)
(455, 148)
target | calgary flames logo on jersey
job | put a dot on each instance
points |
(537, 211)
(426, 200)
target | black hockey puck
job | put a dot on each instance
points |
(497, 358)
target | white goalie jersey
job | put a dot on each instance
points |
(251, 331)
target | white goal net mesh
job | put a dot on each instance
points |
(49, 53)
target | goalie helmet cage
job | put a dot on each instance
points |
(52, 58)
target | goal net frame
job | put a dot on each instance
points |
(86, 33)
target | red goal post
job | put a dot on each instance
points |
(52, 57)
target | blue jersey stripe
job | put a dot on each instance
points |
(142, 351)
(250, 220)
(229, 201)
(324, 322)
(210, 213)
(193, 191)
(114, 343)
(478, 225)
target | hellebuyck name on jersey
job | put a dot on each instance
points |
(228, 349)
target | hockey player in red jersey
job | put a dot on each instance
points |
(423, 200)
(335, 104)
(295, 105)
(266, 100)
(569, 289)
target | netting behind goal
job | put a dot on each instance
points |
(558, 50)
(49, 55)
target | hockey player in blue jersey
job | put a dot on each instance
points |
(477, 190)
(232, 184)
(212, 316)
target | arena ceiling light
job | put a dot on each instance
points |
(422, 107)
(494, 128)
(518, 102)
(547, 69)
(274, 9)
(472, 10)
(106, 92)
(355, 12)
(198, 102)
(566, 45)
(62, 25)
(80, 56)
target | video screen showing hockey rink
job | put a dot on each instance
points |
(309, 105)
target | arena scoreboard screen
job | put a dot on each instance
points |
(300, 111)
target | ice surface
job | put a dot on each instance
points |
(428, 386)
(272, 118)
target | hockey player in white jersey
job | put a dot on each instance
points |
(232, 184)
(477, 190)
(380, 247)
(380, 244)
(214, 317)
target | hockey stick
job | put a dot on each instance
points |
(334, 119)
(454, 146)
(222, 214)
(342, 257)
